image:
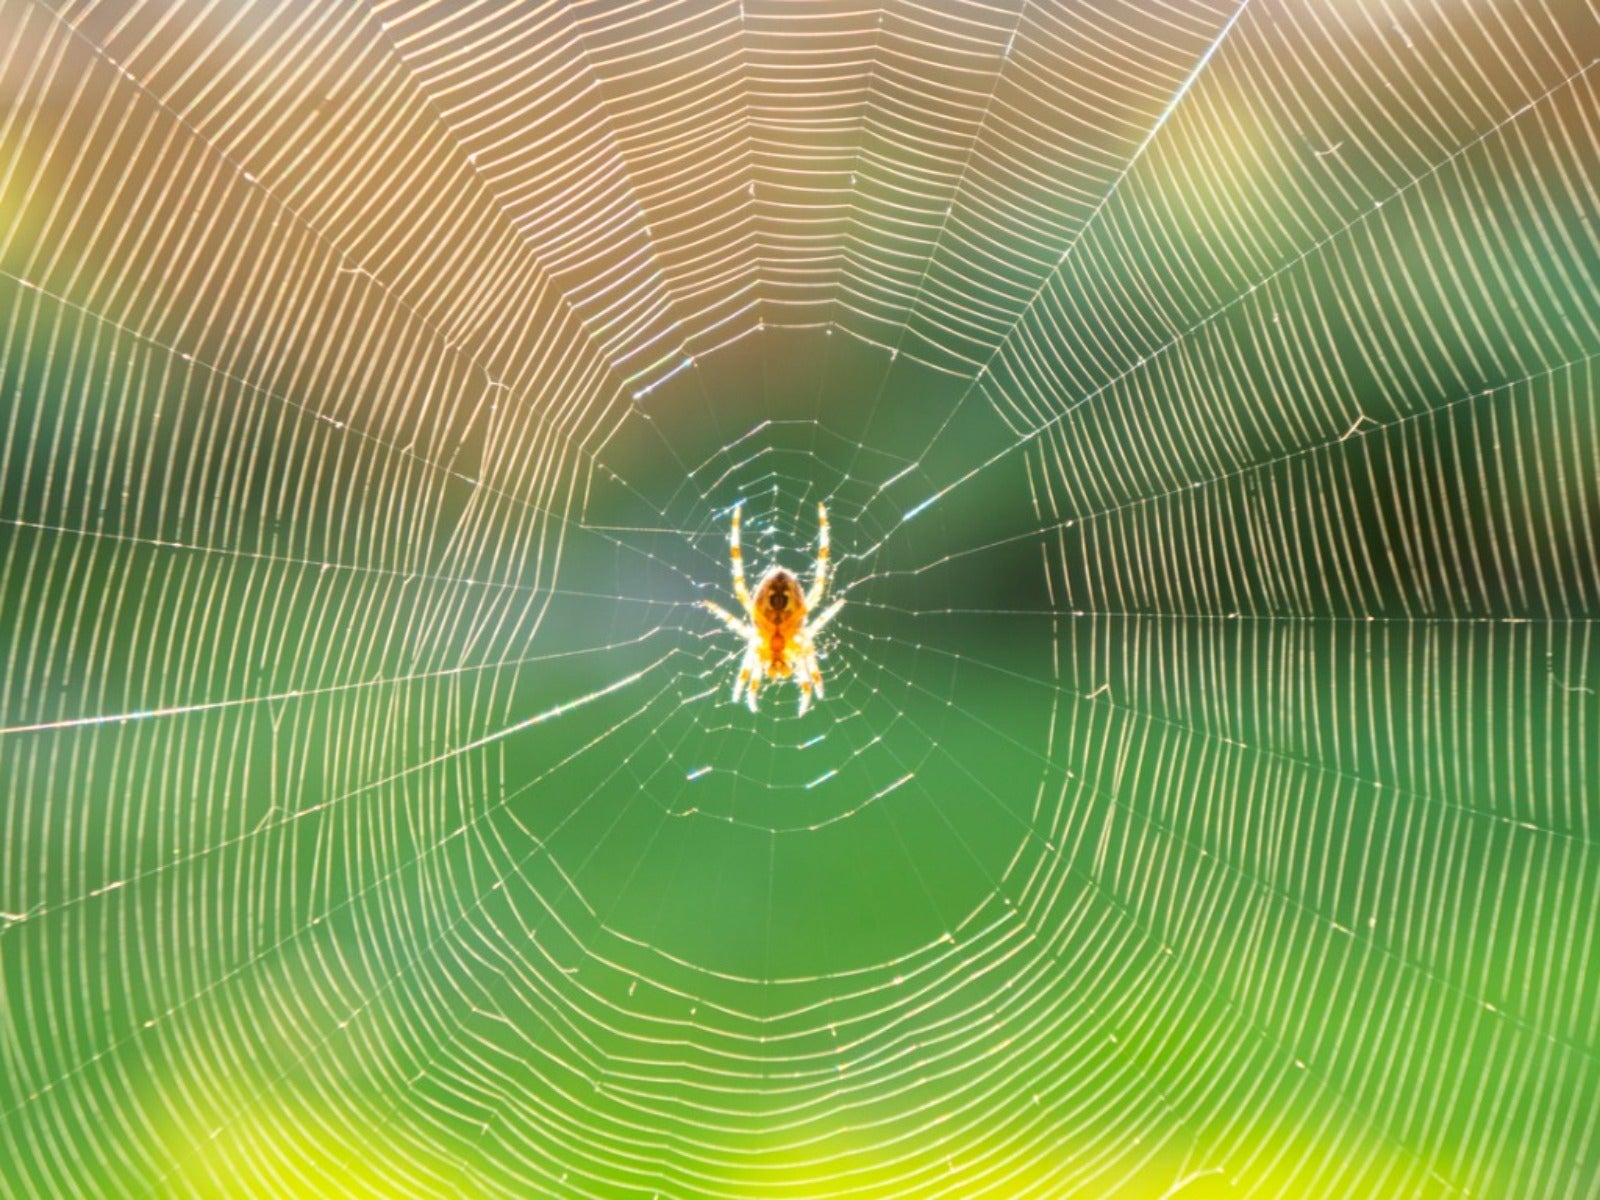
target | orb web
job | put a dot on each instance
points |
(1204, 797)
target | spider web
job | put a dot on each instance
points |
(1205, 798)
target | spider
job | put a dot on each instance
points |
(778, 638)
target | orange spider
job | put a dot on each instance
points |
(778, 639)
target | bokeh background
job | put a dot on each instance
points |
(1206, 794)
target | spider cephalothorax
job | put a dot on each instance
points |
(779, 640)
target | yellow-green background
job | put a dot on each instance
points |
(1205, 798)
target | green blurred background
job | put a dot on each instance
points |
(1205, 798)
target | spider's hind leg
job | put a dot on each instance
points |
(749, 681)
(809, 676)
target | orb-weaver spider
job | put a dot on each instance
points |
(779, 640)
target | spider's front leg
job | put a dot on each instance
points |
(742, 628)
(819, 577)
(741, 592)
(826, 615)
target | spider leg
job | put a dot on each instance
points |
(810, 679)
(740, 592)
(819, 580)
(826, 615)
(727, 618)
(807, 674)
(749, 681)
